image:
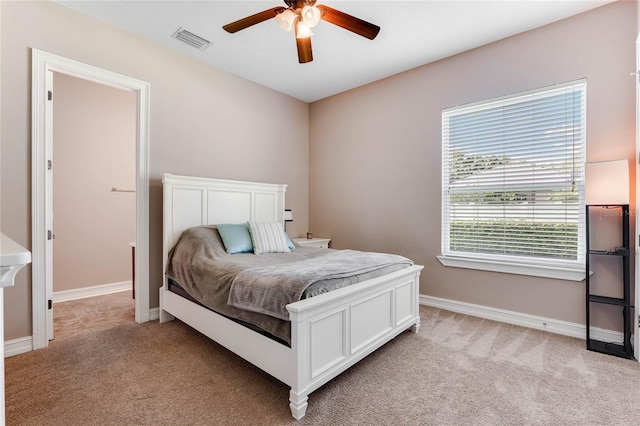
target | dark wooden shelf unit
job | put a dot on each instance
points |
(622, 349)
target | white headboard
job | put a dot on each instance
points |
(194, 201)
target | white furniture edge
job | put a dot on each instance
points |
(551, 325)
(13, 257)
(329, 333)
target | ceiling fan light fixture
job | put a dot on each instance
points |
(311, 16)
(286, 19)
(303, 31)
(302, 15)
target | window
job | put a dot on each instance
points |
(513, 183)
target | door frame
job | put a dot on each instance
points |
(42, 66)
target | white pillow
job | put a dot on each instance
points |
(268, 238)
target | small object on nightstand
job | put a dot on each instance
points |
(309, 236)
(313, 242)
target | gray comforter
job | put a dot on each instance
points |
(256, 288)
(269, 289)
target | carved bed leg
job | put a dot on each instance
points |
(416, 327)
(298, 404)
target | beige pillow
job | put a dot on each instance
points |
(268, 237)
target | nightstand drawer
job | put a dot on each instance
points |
(313, 242)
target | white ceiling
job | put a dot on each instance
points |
(413, 33)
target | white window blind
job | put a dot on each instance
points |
(513, 178)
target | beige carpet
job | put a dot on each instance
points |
(457, 370)
(92, 314)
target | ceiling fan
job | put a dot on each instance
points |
(302, 15)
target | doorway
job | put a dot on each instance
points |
(43, 66)
(94, 138)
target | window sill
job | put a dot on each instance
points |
(534, 270)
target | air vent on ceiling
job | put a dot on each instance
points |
(191, 39)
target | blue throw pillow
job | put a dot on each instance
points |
(236, 238)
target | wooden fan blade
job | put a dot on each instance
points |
(304, 50)
(348, 22)
(253, 19)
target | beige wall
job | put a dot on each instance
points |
(204, 122)
(94, 149)
(375, 152)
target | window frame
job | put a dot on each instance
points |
(573, 270)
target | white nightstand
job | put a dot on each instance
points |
(313, 242)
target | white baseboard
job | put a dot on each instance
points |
(98, 290)
(525, 320)
(18, 346)
(154, 314)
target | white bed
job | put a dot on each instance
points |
(329, 332)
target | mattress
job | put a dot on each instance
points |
(176, 288)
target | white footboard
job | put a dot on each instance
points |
(333, 331)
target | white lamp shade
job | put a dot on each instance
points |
(286, 19)
(303, 31)
(288, 216)
(311, 16)
(607, 183)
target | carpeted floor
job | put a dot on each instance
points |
(457, 370)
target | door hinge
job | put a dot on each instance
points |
(49, 95)
(49, 304)
(49, 164)
(50, 235)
